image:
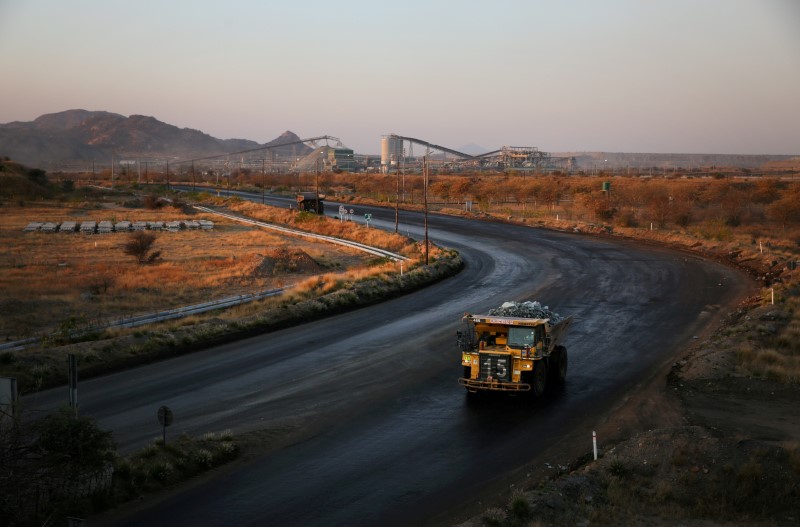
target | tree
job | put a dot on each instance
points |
(74, 445)
(139, 246)
(59, 457)
(658, 203)
(460, 189)
(785, 210)
(440, 188)
(38, 176)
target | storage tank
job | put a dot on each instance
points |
(391, 151)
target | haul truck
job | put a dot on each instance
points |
(512, 354)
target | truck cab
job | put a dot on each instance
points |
(511, 354)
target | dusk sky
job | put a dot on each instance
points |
(694, 76)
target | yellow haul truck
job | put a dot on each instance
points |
(512, 354)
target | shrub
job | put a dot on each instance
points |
(204, 458)
(139, 246)
(152, 202)
(520, 508)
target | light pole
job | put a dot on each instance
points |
(403, 171)
(316, 184)
(425, 169)
(397, 200)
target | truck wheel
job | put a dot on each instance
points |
(558, 363)
(467, 372)
(539, 380)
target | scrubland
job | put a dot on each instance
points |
(61, 286)
(713, 442)
(716, 442)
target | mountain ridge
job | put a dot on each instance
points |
(82, 135)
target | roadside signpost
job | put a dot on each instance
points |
(367, 218)
(72, 378)
(165, 419)
(8, 396)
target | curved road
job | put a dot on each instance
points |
(382, 431)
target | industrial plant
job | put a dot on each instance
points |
(398, 153)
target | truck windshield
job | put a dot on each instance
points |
(521, 337)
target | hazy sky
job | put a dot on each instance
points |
(715, 76)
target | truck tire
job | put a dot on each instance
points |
(558, 365)
(539, 378)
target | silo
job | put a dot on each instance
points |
(391, 151)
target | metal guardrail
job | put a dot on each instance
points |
(331, 239)
(170, 314)
(152, 318)
(19, 344)
(161, 316)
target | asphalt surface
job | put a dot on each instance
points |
(386, 435)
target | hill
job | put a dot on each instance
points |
(22, 182)
(75, 136)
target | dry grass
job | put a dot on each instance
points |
(772, 343)
(320, 225)
(52, 284)
(731, 221)
(47, 280)
(680, 476)
(316, 297)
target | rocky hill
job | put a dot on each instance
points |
(56, 139)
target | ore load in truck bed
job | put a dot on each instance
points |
(526, 310)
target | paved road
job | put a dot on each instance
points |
(390, 438)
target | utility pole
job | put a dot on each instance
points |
(112, 170)
(403, 171)
(193, 182)
(72, 377)
(397, 200)
(263, 178)
(167, 175)
(425, 170)
(316, 185)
